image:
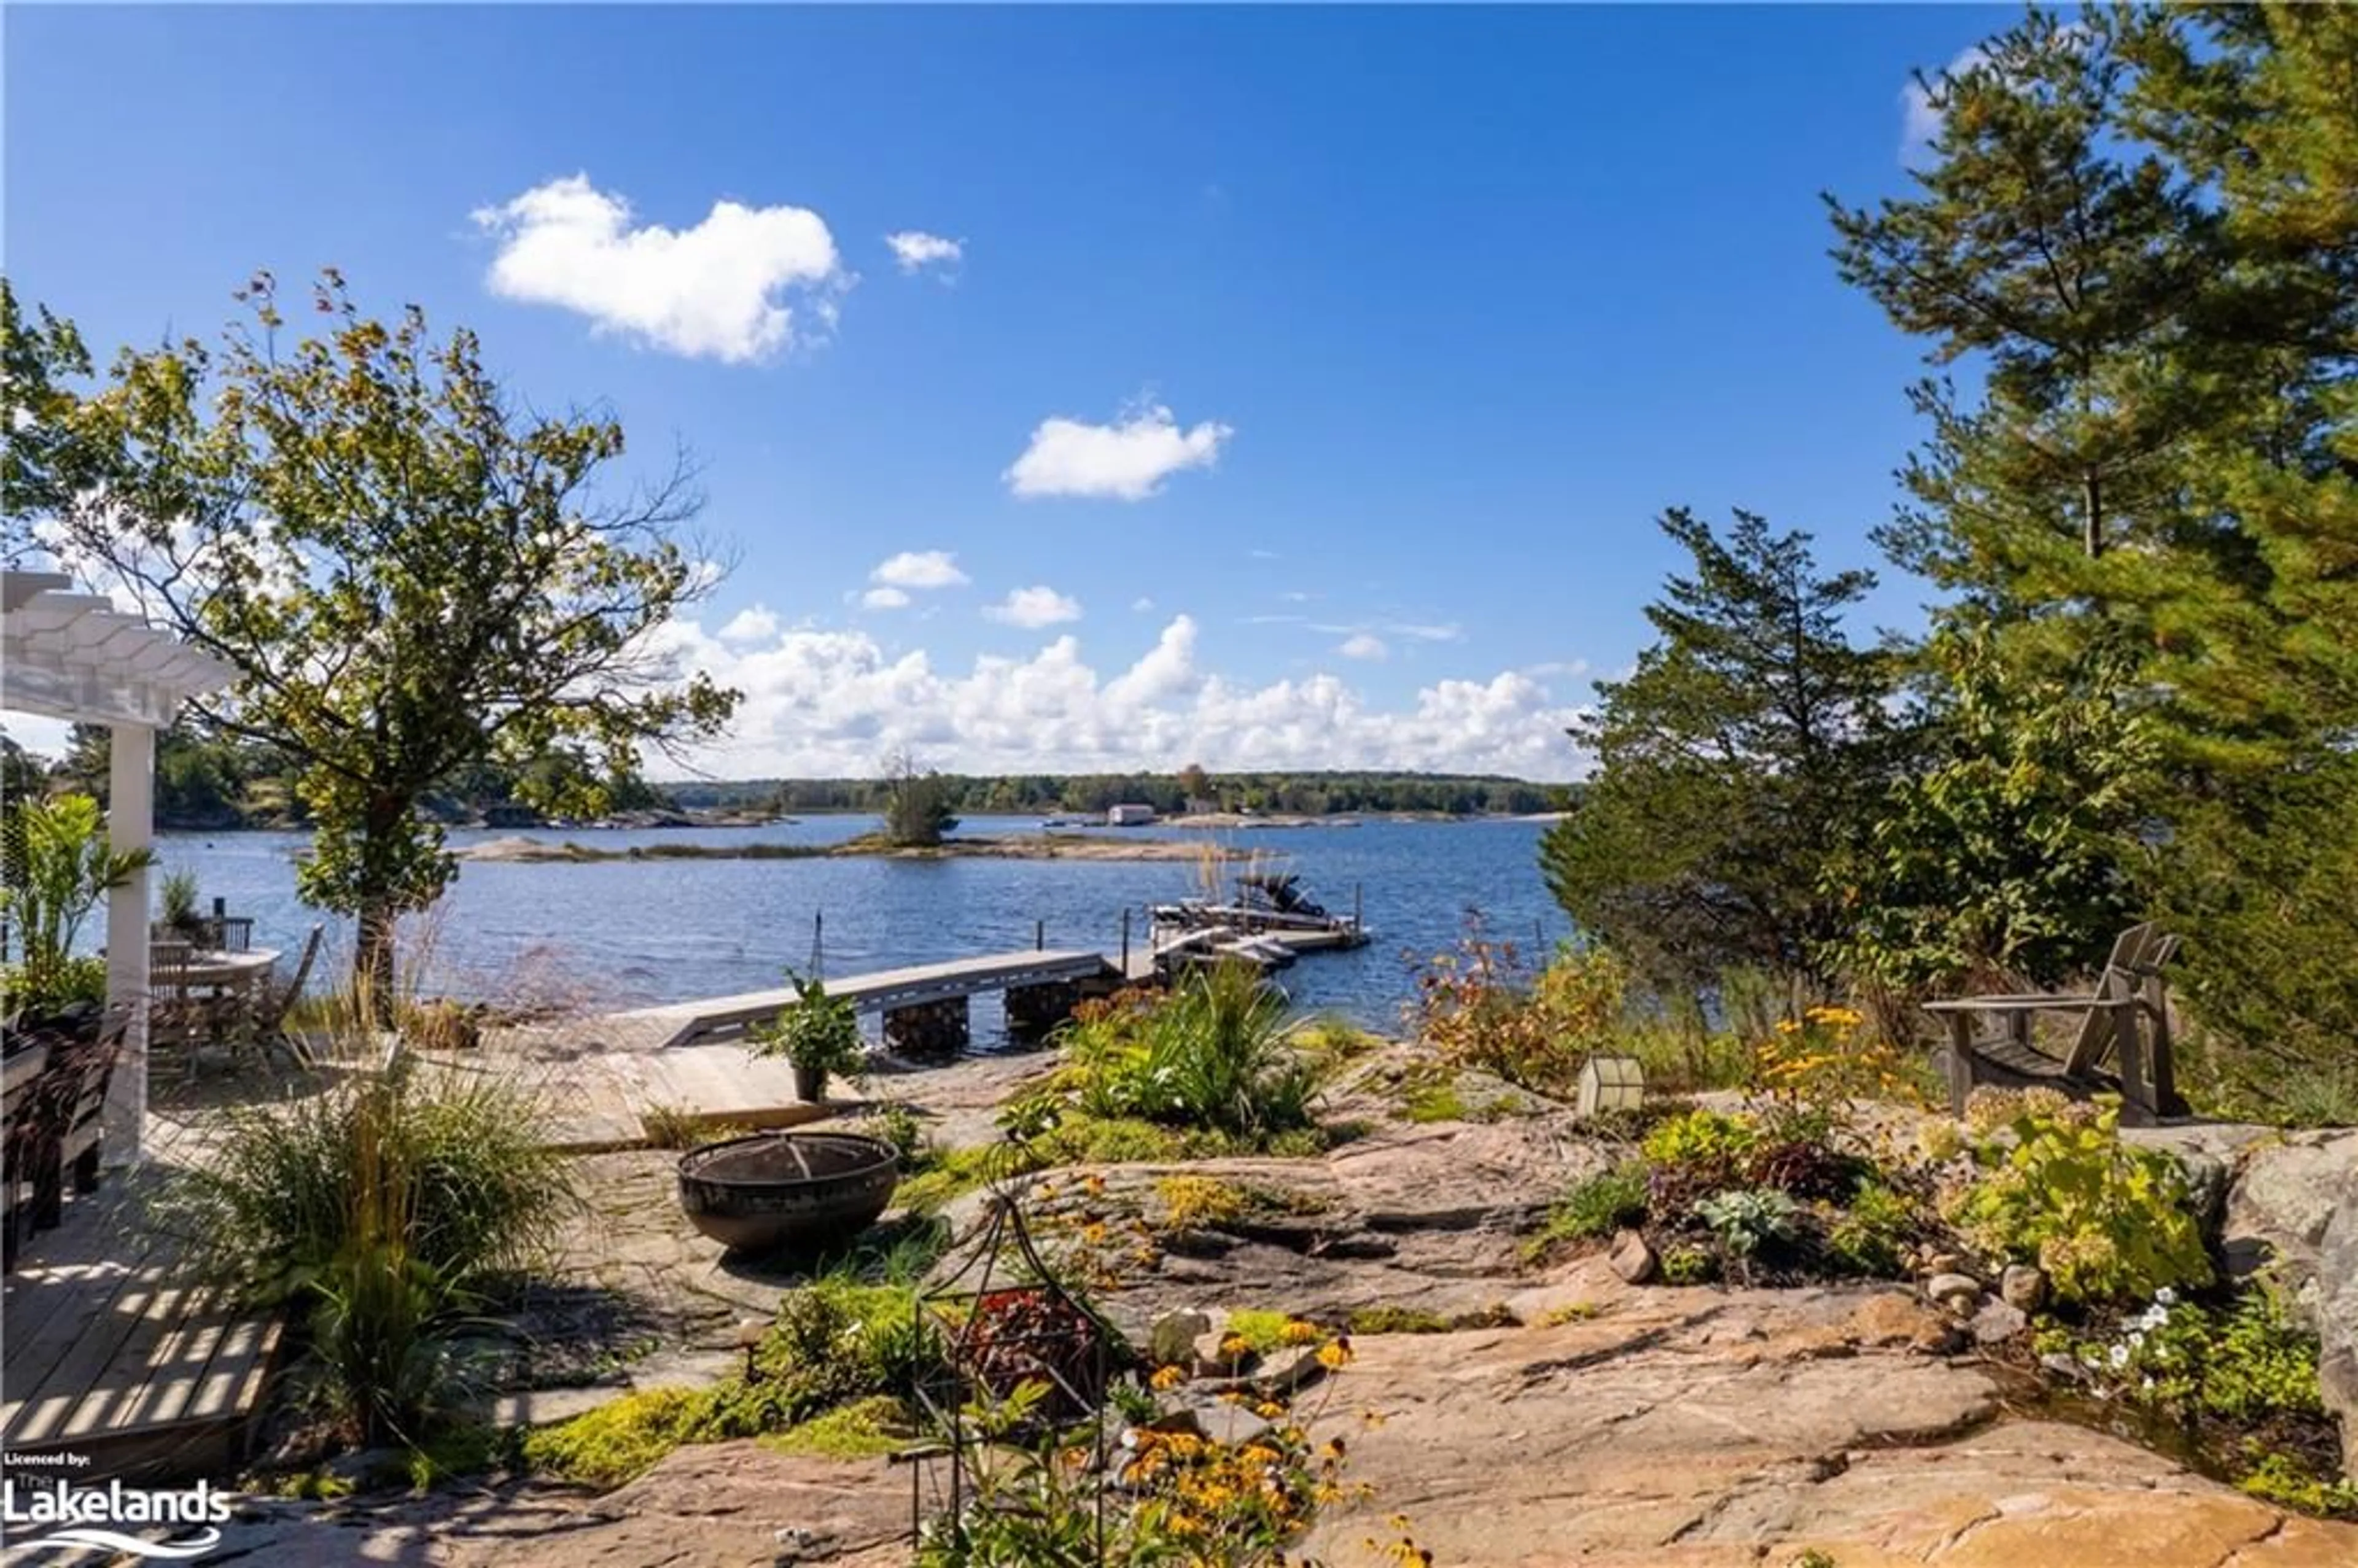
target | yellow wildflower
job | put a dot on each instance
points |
(1167, 1378)
(1335, 1356)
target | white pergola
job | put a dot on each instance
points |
(74, 655)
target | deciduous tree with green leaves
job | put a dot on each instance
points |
(1740, 757)
(39, 357)
(409, 570)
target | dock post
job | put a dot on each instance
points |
(1125, 944)
(1039, 935)
(1358, 919)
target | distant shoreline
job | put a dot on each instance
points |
(1226, 821)
(520, 849)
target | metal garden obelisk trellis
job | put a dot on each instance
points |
(1004, 1323)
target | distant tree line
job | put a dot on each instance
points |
(1292, 793)
(223, 782)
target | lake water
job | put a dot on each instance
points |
(616, 934)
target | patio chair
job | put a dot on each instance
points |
(2126, 1016)
(56, 1129)
(226, 933)
(267, 1005)
(25, 1061)
(181, 1015)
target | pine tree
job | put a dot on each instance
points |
(1731, 765)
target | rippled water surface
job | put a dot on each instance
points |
(624, 933)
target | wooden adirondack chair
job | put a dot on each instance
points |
(2126, 1017)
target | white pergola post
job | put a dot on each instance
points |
(71, 655)
(130, 825)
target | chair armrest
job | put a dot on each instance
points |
(2018, 1003)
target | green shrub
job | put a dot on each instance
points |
(898, 1125)
(1872, 1234)
(1689, 1266)
(2246, 1364)
(1416, 1320)
(619, 1440)
(839, 1346)
(1482, 1007)
(1213, 1053)
(1264, 1331)
(1437, 1102)
(864, 1428)
(1749, 1221)
(1701, 1137)
(1596, 1208)
(2284, 1480)
(387, 1208)
(2108, 1222)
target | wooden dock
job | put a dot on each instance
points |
(115, 1354)
(604, 1081)
(728, 1017)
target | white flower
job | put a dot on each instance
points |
(2120, 1357)
(2166, 1296)
(2136, 1339)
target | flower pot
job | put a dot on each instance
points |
(810, 1083)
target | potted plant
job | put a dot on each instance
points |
(178, 897)
(55, 866)
(818, 1033)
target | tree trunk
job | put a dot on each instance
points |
(373, 972)
(2092, 515)
(373, 968)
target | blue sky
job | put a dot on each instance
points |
(1301, 391)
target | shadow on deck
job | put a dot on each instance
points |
(114, 1354)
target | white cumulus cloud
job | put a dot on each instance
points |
(1034, 606)
(915, 250)
(920, 569)
(738, 287)
(830, 703)
(757, 624)
(1363, 646)
(884, 599)
(1127, 460)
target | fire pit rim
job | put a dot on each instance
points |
(692, 1163)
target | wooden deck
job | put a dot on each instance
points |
(113, 1353)
(601, 1100)
(722, 1018)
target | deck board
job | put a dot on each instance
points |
(125, 1359)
